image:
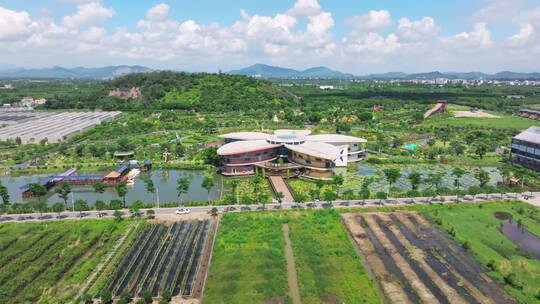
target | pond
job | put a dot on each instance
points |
(164, 181)
(447, 181)
(519, 235)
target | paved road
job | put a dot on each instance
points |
(533, 199)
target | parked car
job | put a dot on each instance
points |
(229, 209)
(327, 205)
(182, 211)
(311, 205)
(245, 208)
(344, 204)
(277, 207)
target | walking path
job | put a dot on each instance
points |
(291, 267)
(279, 185)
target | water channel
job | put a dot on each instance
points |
(518, 234)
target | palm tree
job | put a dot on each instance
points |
(392, 176)
(458, 173)
(279, 197)
(415, 179)
(63, 192)
(122, 191)
(208, 183)
(182, 187)
(150, 187)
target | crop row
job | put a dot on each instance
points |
(164, 258)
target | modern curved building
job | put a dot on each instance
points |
(288, 152)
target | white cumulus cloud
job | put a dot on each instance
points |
(92, 13)
(15, 25)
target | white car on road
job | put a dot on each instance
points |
(182, 211)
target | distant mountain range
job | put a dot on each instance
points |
(267, 71)
(79, 72)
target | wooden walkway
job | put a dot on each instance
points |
(279, 185)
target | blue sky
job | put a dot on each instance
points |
(205, 35)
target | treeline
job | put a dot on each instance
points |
(173, 90)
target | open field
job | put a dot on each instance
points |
(249, 265)
(163, 258)
(517, 269)
(47, 262)
(503, 122)
(416, 263)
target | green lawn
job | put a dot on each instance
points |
(248, 263)
(517, 270)
(504, 122)
(47, 262)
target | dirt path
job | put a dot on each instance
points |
(291, 267)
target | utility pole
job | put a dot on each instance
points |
(157, 195)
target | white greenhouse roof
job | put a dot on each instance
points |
(292, 132)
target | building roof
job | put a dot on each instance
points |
(292, 132)
(316, 149)
(245, 147)
(531, 135)
(245, 136)
(335, 138)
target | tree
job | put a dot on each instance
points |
(126, 297)
(150, 188)
(80, 205)
(166, 296)
(58, 208)
(320, 184)
(458, 173)
(279, 197)
(482, 176)
(435, 179)
(458, 148)
(329, 196)
(364, 194)
(480, 150)
(415, 179)
(214, 212)
(338, 181)
(299, 198)
(4, 194)
(63, 192)
(182, 187)
(116, 204)
(474, 191)
(100, 205)
(124, 144)
(381, 195)
(146, 296)
(99, 187)
(37, 190)
(208, 183)
(122, 191)
(118, 215)
(392, 176)
(234, 187)
(179, 150)
(40, 207)
(150, 214)
(444, 136)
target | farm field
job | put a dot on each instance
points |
(417, 263)
(517, 269)
(47, 262)
(163, 258)
(249, 265)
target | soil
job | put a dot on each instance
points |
(415, 262)
(477, 114)
(274, 300)
(502, 215)
(169, 218)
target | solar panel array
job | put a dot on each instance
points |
(54, 127)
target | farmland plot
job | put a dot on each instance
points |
(47, 262)
(416, 263)
(163, 258)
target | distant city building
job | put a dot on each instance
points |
(515, 97)
(40, 101)
(326, 87)
(289, 152)
(525, 148)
